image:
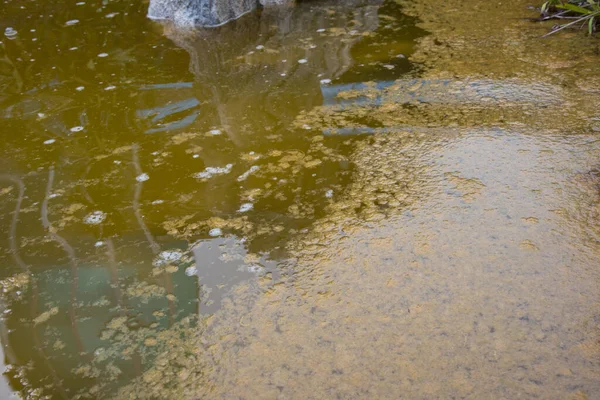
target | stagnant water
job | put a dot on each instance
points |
(356, 199)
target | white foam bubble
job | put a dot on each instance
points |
(170, 255)
(142, 177)
(10, 33)
(166, 257)
(209, 172)
(246, 174)
(246, 207)
(95, 218)
(214, 232)
(255, 268)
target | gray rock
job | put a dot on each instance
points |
(207, 13)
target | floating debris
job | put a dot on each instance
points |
(10, 33)
(307, 127)
(246, 207)
(260, 47)
(76, 129)
(49, 141)
(214, 232)
(142, 177)
(246, 174)
(80, 88)
(110, 88)
(215, 132)
(95, 218)
(111, 15)
(73, 48)
(320, 30)
(283, 74)
(329, 193)
(72, 22)
(54, 195)
(302, 61)
(325, 81)
(102, 55)
(99, 243)
(209, 172)
(191, 271)
(156, 202)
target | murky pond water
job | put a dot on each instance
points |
(359, 199)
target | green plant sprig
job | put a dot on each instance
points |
(586, 12)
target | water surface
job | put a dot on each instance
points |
(359, 200)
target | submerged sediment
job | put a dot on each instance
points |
(337, 204)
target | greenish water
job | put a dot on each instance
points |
(315, 201)
(122, 143)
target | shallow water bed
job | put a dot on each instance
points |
(351, 199)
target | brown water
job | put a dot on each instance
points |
(331, 200)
